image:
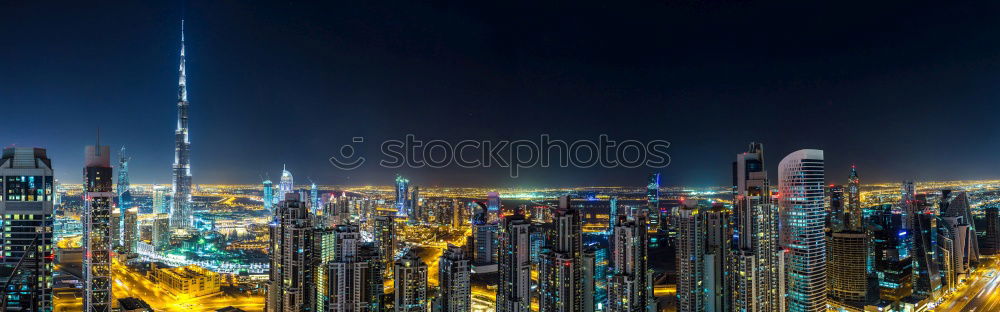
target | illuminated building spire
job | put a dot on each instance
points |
(180, 213)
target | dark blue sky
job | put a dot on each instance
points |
(904, 89)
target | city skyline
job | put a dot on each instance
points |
(287, 68)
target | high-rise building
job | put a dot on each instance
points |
(991, 242)
(800, 186)
(355, 284)
(891, 254)
(180, 213)
(836, 218)
(718, 243)
(652, 210)
(560, 270)
(314, 198)
(130, 232)
(26, 209)
(926, 261)
(907, 204)
(630, 283)
(268, 197)
(485, 242)
(754, 272)
(848, 270)
(955, 209)
(853, 213)
(454, 274)
(124, 195)
(115, 227)
(492, 207)
(402, 196)
(161, 199)
(588, 264)
(161, 232)
(690, 254)
(413, 203)
(410, 282)
(97, 235)
(385, 239)
(291, 283)
(514, 255)
(286, 184)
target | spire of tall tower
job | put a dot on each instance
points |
(182, 80)
(180, 213)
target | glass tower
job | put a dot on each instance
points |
(800, 186)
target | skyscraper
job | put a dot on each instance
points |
(353, 278)
(492, 207)
(291, 286)
(652, 210)
(561, 272)
(854, 215)
(385, 239)
(410, 281)
(285, 184)
(847, 270)
(485, 242)
(124, 195)
(837, 219)
(690, 255)
(180, 214)
(718, 243)
(268, 197)
(956, 211)
(454, 274)
(754, 270)
(161, 232)
(514, 256)
(991, 242)
(97, 235)
(800, 185)
(402, 196)
(629, 285)
(26, 235)
(892, 261)
(161, 199)
(314, 197)
(130, 230)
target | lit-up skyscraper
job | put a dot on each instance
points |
(718, 241)
(514, 289)
(454, 274)
(26, 210)
(130, 230)
(314, 197)
(97, 235)
(854, 214)
(180, 213)
(285, 184)
(161, 232)
(268, 197)
(754, 270)
(124, 195)
(561, 271)
(690, 255)
(800, 185)
(402, 196)
(630, 284)
(353, 280)
(385, 239)
(848, 270)
(653, 201)
(291, 285)
(410, 281)
(493, 207)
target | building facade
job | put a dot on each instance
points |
(801, 204)
(26, 216)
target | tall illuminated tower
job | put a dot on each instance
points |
(286, 184)
(493, 207)
(629, 283)
(97, 235)
(26, 235)
(653, 201)
(402, 196)
(754, 268)
(314, 197)
(410, 282)
(124, 195)
(268, 197)
(291, 284)
(514, 289)
(800, 185)
(854, 214)
(561, 271)
(180, 214)
(691, 257)
(454, 274)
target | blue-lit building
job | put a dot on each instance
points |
(26, 222)
(268, 197)
(402, 196)
(124, 195)
(653, 201)
(803, 216)
(892, 260)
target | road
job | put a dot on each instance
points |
(980, 295)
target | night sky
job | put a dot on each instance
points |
(903, 89)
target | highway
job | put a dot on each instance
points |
(981, 295)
